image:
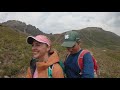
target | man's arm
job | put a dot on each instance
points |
(88, 66)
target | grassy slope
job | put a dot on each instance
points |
(14, 55)
(109, 62)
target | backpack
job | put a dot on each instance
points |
(80, 62)
(51, 67)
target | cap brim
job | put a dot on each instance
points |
(68, 44)
(30, 39)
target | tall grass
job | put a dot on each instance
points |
(14, 52)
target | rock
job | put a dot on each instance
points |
(6, 77)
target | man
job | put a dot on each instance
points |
(72, 68)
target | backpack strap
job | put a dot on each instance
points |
(33, 66)
(50, 71)
(80, 59)
(50, 68)
(95, 63)
(96, 67)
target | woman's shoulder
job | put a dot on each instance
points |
(57, 71)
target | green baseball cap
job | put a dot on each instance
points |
(70, 39)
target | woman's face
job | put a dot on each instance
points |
(39, 50)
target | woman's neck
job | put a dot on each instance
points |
(44, 58)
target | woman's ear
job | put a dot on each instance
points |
(48, 48)
(51, 51)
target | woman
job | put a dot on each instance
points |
(41, 51)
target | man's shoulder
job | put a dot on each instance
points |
(85, 53)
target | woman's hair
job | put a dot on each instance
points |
(51, 51)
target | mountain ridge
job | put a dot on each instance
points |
(23, 27)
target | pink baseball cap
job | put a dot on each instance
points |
(39, 38)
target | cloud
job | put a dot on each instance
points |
(112, 22)
(114, 19)
(3, 17)
(59, 22)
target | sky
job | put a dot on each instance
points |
(59, 22)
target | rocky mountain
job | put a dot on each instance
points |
(21, 26)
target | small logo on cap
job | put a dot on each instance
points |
(66, 36)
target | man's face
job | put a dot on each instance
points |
(73, 49)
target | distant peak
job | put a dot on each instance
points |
(93, 29)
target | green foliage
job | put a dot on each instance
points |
(14, 52)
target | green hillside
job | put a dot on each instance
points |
(15, 53)
(98, 37)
